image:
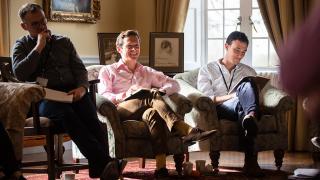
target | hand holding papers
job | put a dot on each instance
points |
(59, 96)
(258, 80)
(140, 93)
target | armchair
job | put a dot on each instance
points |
(273, 130)
(34, 131)
(131, 135)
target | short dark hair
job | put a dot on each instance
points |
(29, 7)
(125, 34)
(237, 35)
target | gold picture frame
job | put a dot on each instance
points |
(167, 51)
(108, 53)
(84, 11)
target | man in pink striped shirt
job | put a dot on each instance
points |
(121, 79)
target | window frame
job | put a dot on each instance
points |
(245, 27)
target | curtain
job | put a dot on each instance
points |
(4, 28)
(281, 17)
(171, 15)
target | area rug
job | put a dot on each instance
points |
(132, 172)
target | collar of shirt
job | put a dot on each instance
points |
(33, 39)
(224, 68)
(122, 65)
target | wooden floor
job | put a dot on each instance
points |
(231, 159)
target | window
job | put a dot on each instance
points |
(208, 24)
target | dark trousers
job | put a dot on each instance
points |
(80, 121)
(151, 108)
(7, 157)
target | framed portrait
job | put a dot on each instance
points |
(166, 51)
(86, 11)
(108, 53)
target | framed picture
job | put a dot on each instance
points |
(166, 51)
(86, 11)
(108, 53)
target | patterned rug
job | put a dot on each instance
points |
(132, 171)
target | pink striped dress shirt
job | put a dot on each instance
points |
(116, 81)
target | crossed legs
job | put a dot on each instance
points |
(244, 109)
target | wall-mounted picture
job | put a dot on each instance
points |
(87, 11)
(108, 53)
(166, 51)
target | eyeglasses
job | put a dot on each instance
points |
(37, 24)
(133, 46)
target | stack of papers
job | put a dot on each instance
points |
(59, 96)
(140, 93)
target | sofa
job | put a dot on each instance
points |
(273, 130)
(131, 138)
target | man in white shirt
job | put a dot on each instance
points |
(226, 82)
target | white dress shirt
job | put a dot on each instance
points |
(211, 82)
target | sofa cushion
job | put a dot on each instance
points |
(191, 77)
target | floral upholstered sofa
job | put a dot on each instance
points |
(273, 130)
(127, 138)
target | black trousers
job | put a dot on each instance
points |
(79, 119)
(7, 157)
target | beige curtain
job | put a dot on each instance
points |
(171, 15)
(280, 18)
(4, 28)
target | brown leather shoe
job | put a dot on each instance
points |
(197, 135)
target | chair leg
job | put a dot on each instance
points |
(214, 156)
(59, 151)
(50, 156)
(178, 159)
(77, 160)
(278, 156)
(187, 156)
(142, 163)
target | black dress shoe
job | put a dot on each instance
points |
(250, 126)
(161, 173)
(251, 167)
(113, 169)
(197, 135)
(316, 141)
